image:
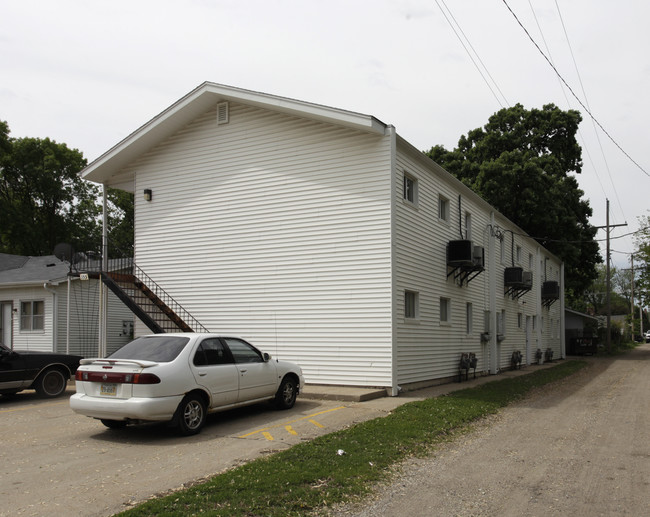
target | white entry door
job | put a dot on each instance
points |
(5, 324)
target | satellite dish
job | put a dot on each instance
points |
(64, 252)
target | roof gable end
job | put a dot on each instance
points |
(200, 100)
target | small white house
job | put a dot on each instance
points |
(325, 238)
(35, 313)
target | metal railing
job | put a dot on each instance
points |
(148, 300)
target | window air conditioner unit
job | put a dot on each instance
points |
(460, 253)
(550, 290)
(513, 276)
(527, 279)
(478, 256)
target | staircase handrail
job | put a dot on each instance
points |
(91, 262)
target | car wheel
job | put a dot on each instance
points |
(51, 383)
(190, 415)
(285, 398)
(114, 424)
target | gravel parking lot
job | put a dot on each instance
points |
(580, 447)
(55, 462)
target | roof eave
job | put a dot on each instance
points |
(202, 99)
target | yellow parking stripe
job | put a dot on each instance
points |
(290, 430)
(268, 436)
(316, 423)
(291, 422)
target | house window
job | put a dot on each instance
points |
(445, 310)
(531, 261)
(32, 315)
(501, 323)
(468, 226)
(443, 208)
(468, 318)
(518, 254)
(520, 319)
(410, 189)
(411, 304)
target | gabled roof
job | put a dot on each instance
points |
(200, 100)
(16, 270)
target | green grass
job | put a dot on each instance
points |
(312, 475)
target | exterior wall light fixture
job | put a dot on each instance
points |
(147, 194)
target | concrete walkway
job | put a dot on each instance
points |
(360, 394)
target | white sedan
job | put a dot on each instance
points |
(180, 377)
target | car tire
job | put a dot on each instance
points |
(286, 395)
(114, 424)
(51, 383)
(190, 415)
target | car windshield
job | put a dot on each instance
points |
(161, 349)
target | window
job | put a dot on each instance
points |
(501, 323)
(445, 310)
(411, 304)
(443, 208)
(410, 189)
(520, 319)
(211, 351)
(531, 261)
(32, 315)
(243, 352)
(468, 226)
(518, 254)
(468, 318)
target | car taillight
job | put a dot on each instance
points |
(118, 378)
(146, 378)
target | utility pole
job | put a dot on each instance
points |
(607, 272)
(632, 298)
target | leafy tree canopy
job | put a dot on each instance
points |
(521, 163)
(43, 201)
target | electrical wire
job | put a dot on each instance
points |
(584, 93)
(470, 54)
(587, 110)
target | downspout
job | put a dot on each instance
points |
(55, 313)
(492, 290)
(395, 389)
(103, 294)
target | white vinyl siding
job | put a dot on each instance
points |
(277, 229)
(430, 350)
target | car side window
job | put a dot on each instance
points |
(210, 352)
(243, 352)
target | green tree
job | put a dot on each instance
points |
(43, 201)
(521, 162)
(642, 259)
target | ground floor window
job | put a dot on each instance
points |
(410, 304)
(445, 310)
(32, 315)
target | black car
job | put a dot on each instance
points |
(46, 372)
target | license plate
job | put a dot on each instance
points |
(108, 389)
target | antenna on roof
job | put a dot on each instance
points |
(64, 252)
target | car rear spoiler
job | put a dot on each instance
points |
(113, 362)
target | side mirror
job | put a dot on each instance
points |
(267, 357)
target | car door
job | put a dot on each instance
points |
(12, 369)
(257, 377)
(213, 368)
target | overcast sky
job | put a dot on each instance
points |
(88, 73)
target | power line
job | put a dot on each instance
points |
(584, 93)
(572, 92)
(470, 54)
